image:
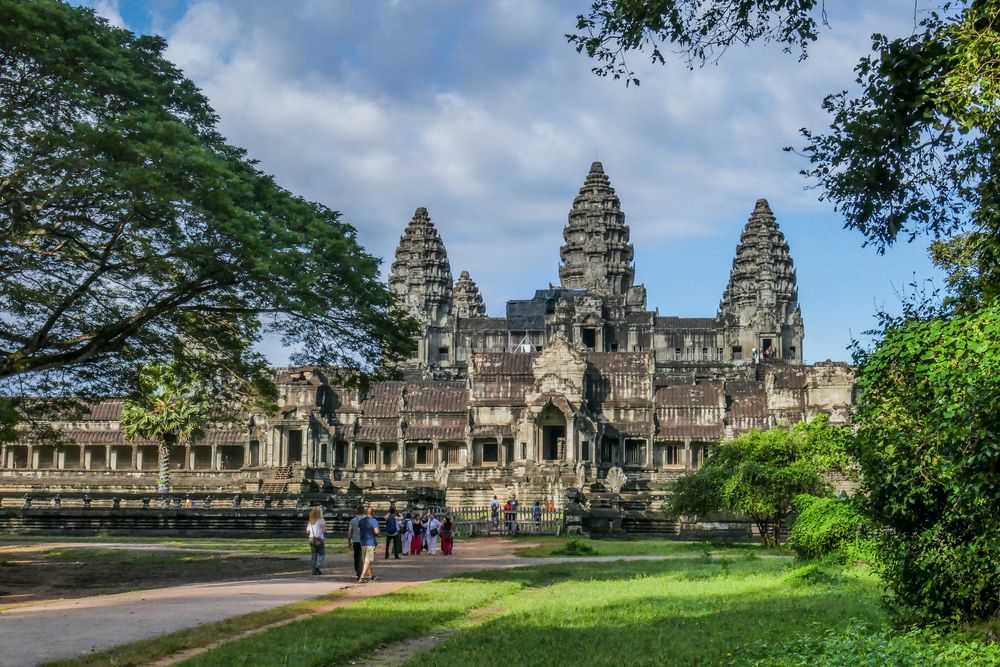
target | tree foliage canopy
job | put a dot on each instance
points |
(928, 443)
(131, 231)
(760, 473)
(696, 30)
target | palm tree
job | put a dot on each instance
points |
(167, 408)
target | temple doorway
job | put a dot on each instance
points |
(552, 427)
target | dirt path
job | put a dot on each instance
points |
(69, 628)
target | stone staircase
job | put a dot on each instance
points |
(278, 483)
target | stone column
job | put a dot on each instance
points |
(135, 457)
(501, 453)
(3, 456)
(32, 463)
(215, 457)
(107, 456)
(378, 455)
(400, 455)
(350, 461)
(687, 454)
(436, 449)
(188, 461)
(649, 452)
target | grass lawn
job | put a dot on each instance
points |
(731, 608)
(546, 546)
(266, 545)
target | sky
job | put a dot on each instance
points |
(485, 115)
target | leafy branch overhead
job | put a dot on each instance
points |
(696, 31)
(131, 231)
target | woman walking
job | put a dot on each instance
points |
(447, 536)
(418, 537)
(407, 533)
(316, 530)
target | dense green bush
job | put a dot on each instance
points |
(828, 526)
(928, 445)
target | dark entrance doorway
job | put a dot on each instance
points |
(552, 425)
(589, 338)
(294, 446)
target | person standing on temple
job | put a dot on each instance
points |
(407, 533)
(354, 539)
(392, 535)
(369, 540)
(508, 516)
(433, 532)
(416, 543)
(316, 531)
(447, 535)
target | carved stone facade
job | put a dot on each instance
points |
(573, 383)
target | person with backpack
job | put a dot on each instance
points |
(407, 533)
(368, 526)
(433, 532)
(447, 536)
(416, 544)
(495, 511)
(392, 535)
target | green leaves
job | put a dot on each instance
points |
(131, 232)
(760, 473)
(928, 422)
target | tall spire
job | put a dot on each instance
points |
(466, 299)
(421, 275)
(762, 292)
(597, 254)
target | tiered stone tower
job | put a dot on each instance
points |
(762, 295)
(597, 254)
(466, 299)
(421, 276)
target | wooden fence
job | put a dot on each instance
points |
(480, 521)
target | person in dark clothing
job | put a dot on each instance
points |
(392, 534)
(354, 539)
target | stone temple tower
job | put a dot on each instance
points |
(597, 254)
(761, 303)
(466, 299)
(421, 276)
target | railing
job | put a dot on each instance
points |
(479, 521)
(152, 500)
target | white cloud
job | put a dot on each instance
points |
(483, 113)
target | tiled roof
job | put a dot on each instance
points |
(691, 395)
(621, 362)
(437, 397)
(661, 323)
(423, 432)
(502, 363)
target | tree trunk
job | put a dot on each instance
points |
(163, 483)
(777, 532)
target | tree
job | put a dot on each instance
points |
(928, 443)
(131, 232)
(760, 473)
(168, 407)
(697, 30)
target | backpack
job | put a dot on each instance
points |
(391, 526)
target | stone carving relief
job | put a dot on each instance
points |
(441, 474)
(616, 479)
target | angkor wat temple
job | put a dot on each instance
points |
(576, 380)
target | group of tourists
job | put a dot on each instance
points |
(408, 534)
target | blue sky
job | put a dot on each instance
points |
(482, 112)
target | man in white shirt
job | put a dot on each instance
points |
(433, 533)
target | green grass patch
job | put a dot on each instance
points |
(149, 650)
(265, 545)
(546, 546)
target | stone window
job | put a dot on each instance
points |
(422, 455)
(340, 454)
(150, 458)
(371, 455)
(678, 353)
(635, 452)
(387, 456)
(231, 457)
(737, 352)
(443, 354)
(698, 453)
(72, 459)
(46, 457)
(453, 454)
(17, 457)
(589, 338)
(790, 352)
(671, 455)
(202, 458)
(718, 353)
(490, 452)
(704, 354)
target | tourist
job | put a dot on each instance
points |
(392, 535)
(369, 539)
(495, 512)
(316, 531)
(407, 533)
(423, 522)
(514, 505)
(536, 514)
(433, 532)
(753, 355)
(508, 515)
(447, 536)
(354, 539)
(416, 542)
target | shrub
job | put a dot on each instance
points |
(574, 547)
(826, 526)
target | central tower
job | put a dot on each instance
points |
(597, 254)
